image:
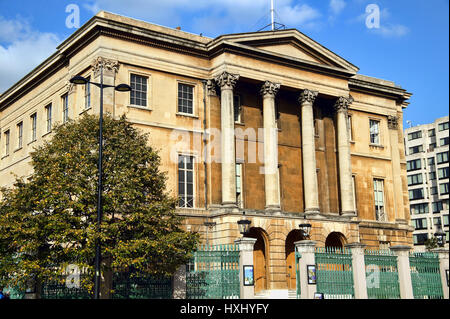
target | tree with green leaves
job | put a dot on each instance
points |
(48, 220)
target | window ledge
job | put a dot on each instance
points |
(139, 107)
(85, 110)
(5, 156)
(18, 149)
(376, 146)
(31, 142)
(187, 115)
(45, 134)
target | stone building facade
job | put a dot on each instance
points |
(427, 149)
(272, 124)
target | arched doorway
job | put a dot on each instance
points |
(260, 258)
(292, 237)
(335, 240)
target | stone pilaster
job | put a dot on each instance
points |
(306, 99)
(245, 258)
(404, 271)
(306, 249)
(272, 187)
(110, 68)
(359, 270)
(344, 159)
(226, 81)
(396, 170)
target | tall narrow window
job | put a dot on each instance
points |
(378, 185)
(186, 181)
(20, 135)
(87, 94)
(48, 111)
(185, 98)
(355, 207)
(65, 107)
(239, 197)
(375, 132)
(237, 109)
(7, 137)
(349, 127)
(33, 119)
(138, 95)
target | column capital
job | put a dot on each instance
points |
(109, 66)
(226, 80)
(393, 122)
(401, 249)
(342, 104)
(211, 87)
(245, 243)
(270, 88)
(308, 96)
(305, 246)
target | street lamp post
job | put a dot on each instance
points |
(305, 228)
(79, 80)
(440, 235)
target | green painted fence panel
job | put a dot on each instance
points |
(334, 274)
(297, 274)
(425, 276)
(213, 273)
(381, 274)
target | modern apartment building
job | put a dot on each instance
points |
(272, 124)
(427, 149)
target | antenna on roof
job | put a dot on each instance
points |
(273, 24)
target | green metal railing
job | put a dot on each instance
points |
(56, 288)
(213, 273)
(334, 273)
(297, 273)
(425, 276)
(127, 285)
(381, 274)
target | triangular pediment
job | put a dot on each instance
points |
(291, 43)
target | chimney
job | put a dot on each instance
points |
(178, 28)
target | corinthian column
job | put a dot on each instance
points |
(345, 166)
(272, 187)
(226, 82)
(310, 188)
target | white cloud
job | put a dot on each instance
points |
(392, 30)
(336, 6)
(387, 28)
(210, 17)
(21, 50)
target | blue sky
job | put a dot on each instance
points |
(410, 47)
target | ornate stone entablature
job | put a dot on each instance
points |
(227, 80)
(393, 122)
(308, 96)
(109, 66)
(270, 88)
